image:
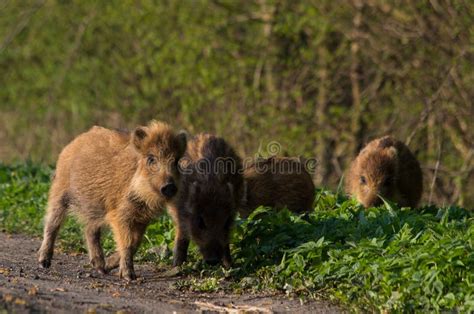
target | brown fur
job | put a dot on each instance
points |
(113, 178)
(387, 168)
(212, 189)
(277, 182)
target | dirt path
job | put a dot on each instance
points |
(70, 286)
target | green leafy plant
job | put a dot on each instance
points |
(385, 258)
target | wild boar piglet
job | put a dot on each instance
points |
(212, 190)
(385, 168)
(277, 182)
(114, 178)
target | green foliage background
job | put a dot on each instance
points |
(321, 77)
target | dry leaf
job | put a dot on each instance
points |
(33, 291)
(8, 298)
(19, 301)
(58, 289)
(231, 308)
(96, 285)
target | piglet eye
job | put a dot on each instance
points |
(363, 180)
(201, 223)
(151, 160)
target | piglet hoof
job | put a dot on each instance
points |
(127, 275)
(46, 263)
(178, 261)
(99, 264)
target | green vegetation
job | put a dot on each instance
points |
(378, 259)
(321, 77)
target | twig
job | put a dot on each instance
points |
(70, 56)
(435, 175)
(429, 103)
(466, 169)
(21, 25)
(232, 309)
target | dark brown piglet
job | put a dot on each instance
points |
(212, 189)
(277, 182)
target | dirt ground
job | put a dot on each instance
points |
(71, 286)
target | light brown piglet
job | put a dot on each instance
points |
(118, 179)
(385, 168)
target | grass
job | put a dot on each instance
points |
(383, 258)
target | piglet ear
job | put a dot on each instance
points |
(138, 137)
(392, 152)
(386, 142)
